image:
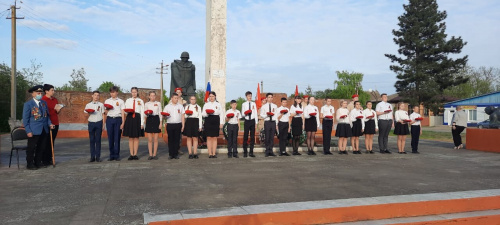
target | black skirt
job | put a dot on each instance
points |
(357, 128)
(343, 130)
(401, 129)
(152, 124)
(191, 127)
(370, 127)
(212, 124)
(311, 124)
(297, 126)
(132, 126)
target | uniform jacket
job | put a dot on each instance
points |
(36, 118)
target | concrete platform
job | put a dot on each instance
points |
(78, 192)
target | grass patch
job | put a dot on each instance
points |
(435, 136)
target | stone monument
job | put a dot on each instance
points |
(183, 76)
(494, 116)
(215, 58)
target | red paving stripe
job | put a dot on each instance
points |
(483, 220)
(350, 214)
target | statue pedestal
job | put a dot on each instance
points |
(483, 139)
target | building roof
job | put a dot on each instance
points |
(481, 100)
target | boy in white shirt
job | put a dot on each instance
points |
(283, 126)
(95, 112)
(416, 129)
(233, 117)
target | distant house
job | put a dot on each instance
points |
(473, 106)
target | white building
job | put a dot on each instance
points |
(473, 106)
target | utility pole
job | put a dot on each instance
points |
(13, 67)
(161, 81)
(261, 87)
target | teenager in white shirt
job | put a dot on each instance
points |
(371, 126)
(344, 130)
(233, 117)
(297, 115)
(283, 126)
(174, 113)
(401, 128)
(311, 115)
(358, 126)
(214, 120)
(416, 129)
(193, 126)
(326, 113)
(134, 122)
(95, 112)
(152, 110)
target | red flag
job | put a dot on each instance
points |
(296, 90)
(258, 102)
(207, 92)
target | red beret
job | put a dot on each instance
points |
(306, 96)
(262, 98)
(180, 89)
(354, 96)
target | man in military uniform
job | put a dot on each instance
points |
(183, 76)
(37, 123)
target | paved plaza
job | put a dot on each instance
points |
(78, 192)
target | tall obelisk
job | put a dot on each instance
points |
(215, 58)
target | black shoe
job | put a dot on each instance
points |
(400, 153)
(345, 153)
(229, 156)
(150, 157)
(266, 155)
(111, 159)
(131, 158)
(176, 157)
(117, 159)
(403, 152)
(170, 157)
(415, 152)
(387, 151)
(195, 156)
(328, 153)
(245, 155)
(235, 156)
(98, 159)
(371, 152)
(295, 153)
(251, 155)
(313, 153)
(31, 167)
(214, 156)
(92, 160)
(272, 154)
(190, 157)
(309, 152)
(286, 154)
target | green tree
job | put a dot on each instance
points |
(200, 97)
(482, 81)
(308, 90)
(423, 67)
(32, 74)
(22, 86)
(78, 81)
(347, 84)
(239, 102)
(106, 85)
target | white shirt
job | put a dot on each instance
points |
(327, 110)
(311, 109)
(265, 109)
(343, 112)
(139, 107)
(355, 113)
(254, 116)
(217, 110)
(382, 107)
(118, 106)
(196, 113)
(99, 110)
(236, 117)
(176, 112)
(293, 110)
(413, 116)
(401, 115)
(284, 117)
(155, 107)
(370, 112)
(37, 102)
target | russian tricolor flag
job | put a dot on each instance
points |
(207, 92)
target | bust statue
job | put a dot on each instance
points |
(183, 76)
(494, 116)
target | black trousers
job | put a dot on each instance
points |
(232, 139)
(384, 127)
(457, 139)
(269, 130)
(95, 133)
(36, 148)
(415, 136)
(248, 127)
(47, 152)
(283, 135)
(327, 127)
(174, 134)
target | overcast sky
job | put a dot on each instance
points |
(281, 42)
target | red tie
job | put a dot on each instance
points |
(133, 115)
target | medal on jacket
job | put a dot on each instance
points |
(138, 102)
(178, 111)
(35, 112)
(117, 104)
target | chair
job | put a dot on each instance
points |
(17, 134)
